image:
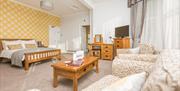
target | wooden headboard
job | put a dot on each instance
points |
(1, 46)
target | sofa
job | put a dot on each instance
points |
(163, 71)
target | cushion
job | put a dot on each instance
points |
(134, 50)
(5, 43)
(102, 83)
(166, 73)
(30, 46)
(124, 67)
(29, 42)
(139, 57)
(130, 83)
(122, 51)
(146, 49)
(13, 47)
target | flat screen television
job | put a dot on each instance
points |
(122, 31)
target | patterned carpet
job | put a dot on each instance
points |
(39, 77)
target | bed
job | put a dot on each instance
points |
(27, 54)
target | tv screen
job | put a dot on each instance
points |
(122, 31)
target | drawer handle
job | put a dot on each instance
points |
(106, 51)
(93, 64)
(106, 55)
(84, 69)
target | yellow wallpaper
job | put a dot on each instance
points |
(17, 21)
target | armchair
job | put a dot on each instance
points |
(131, 61)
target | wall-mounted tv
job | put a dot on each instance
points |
(122, 31)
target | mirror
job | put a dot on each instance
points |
(98, 38)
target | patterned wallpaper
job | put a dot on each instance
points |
(17, 21)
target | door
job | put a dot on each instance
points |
(54, 37)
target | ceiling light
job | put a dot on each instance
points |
(46, 4)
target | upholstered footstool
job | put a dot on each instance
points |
(102, 83)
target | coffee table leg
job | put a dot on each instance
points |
(55, 82)
(97, 67)
(75, 84)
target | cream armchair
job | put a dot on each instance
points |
(127, 66)
(127, 62)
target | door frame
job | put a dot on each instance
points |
(85, 28)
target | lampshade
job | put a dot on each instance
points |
(46, 4)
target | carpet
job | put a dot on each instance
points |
(40, 77)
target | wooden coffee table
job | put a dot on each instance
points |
(74, 72)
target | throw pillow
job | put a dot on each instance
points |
(6, 43)
(146, 49)
(30, 46)
(13, 47)
(134, 50)
(24, 42)
(130, 83)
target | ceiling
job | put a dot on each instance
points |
(61, 7)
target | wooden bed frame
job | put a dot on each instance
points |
(35, 56)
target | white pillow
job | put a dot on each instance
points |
(134, 50)
(129, 83)
(6, 43)
(29, 42)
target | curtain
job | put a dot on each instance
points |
(138, 9)
(133, 2)
(162, 24)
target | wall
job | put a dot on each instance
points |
(107, 15)
(71, 30)
(18, 21)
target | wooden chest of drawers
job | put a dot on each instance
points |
(107, 51)
(121, 43)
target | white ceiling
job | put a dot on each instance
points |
(61, 7)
